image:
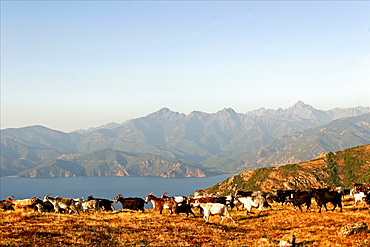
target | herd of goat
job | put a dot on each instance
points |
(208, 204)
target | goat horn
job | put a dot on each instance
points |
(151, 193)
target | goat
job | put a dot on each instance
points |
(230, 202)
(133, 203)
(6, 205)
(182, 205)
(40, 206)
(323, 197)
(78, 203)
(283, 195)
(161, 203)
(105, 204)
(90, 204)
(253, 202)
(222, 200)
(19, 204)
(359, 197)
(367, 199)
(243, 193)
(340, 190)
(202, 193)
(178, 199)
(62, 204)
(184, 208)
(361, 187)
(299, 198)
(210, 209)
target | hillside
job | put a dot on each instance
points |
(331, 169)
(221, 142)
(114, 163)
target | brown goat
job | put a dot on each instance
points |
(20, 204)
(161, 203)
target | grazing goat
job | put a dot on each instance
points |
(161, 203)
(323, 197)
(62, 204)
(252, 202)
(133, 203)
(210, 209)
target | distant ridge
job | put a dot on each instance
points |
(221, 142)
(298, 109)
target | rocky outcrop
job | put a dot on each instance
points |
(354, 228)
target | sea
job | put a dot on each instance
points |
(104, 187)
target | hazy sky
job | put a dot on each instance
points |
(69, 65)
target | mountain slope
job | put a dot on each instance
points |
(293, 148)
(331, 169)
(114, 163)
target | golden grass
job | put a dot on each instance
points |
(128, 228)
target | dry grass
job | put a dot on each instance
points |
(126, 228)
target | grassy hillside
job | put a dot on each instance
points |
(331, 169)
(127, 228)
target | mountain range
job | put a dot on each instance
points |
(172, 144)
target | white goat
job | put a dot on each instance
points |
(253, 202)
(67, 204)
(91, 204)
(359, 197)
(214, 209)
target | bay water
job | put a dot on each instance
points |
(103, 187)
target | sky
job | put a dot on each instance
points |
(71, 65)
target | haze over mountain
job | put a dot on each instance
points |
(221, 142)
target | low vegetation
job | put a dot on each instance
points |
(128, 228)
(341, 168)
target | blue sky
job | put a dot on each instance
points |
(73, 65)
